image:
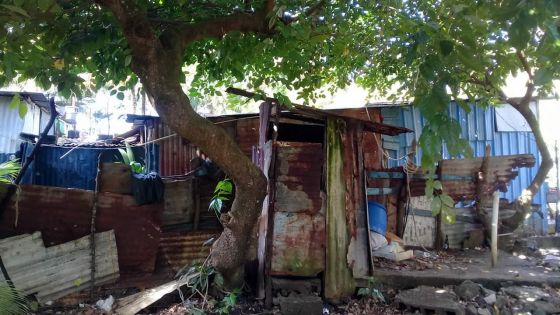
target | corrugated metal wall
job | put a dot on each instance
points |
(10, 127)
(77, 169)
(479, 128)
(175, 153)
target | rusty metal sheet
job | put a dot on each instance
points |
(298, 230)
(63, 215)
(298, 244)
(502, 169)
(179, 250)
(247, 134)
(298, 177)
(53, 272)
(175, 153)
(372, 154)
(179, 203)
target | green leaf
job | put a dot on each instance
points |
(543, 76)
(14, 103)
(120, 96)
(124, 156)
(437, 185)
(446, 47)
(22, 110)
(447, 200)
(16, 9)
(127, 60)
(44, 5)
(449, 216)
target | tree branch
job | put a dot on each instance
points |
(218, 27)
(523, 107)
(314, 9)
(523, 59)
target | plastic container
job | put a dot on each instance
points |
(377, 217)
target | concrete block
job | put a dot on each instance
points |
(301, 305)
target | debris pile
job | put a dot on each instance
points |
(473, 299)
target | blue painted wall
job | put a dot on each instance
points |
(78, 168)
(478, 126)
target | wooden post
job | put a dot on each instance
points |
(482, 191)
(196, 195)
(93, 226)
(494, 234)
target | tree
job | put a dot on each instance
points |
(430, 50)
(436, 51)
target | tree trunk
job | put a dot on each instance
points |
(157, 62)
(236, 245)
(523, 203)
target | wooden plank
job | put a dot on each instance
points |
(401, 175)
(386, 175)
(132, 304)
(361, 264)
(54, 272)
(339, 282)
(382, 191)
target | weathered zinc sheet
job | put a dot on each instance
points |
(339, 282)
(179, 202)
(502, 169)
(11, 126)
(53, 272)
(355, 200)
(299, 223)
(63, 215)
(182, 249)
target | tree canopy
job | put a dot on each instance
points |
(428, 51)
(432, 50)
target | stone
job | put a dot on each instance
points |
(301, 305)
(490, 299)
(487, 292)
(552, 260)
(471, 309)
(484, 311)
(501, 301)
(468, 290)
(545, 307)
(303, 287)
(430, 300)
(525, 293)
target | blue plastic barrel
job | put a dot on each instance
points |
(377, 217)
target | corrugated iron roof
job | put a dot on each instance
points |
(38, 98)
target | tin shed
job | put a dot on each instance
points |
(314, 219)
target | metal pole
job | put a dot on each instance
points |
(557, 218)
(494, 232)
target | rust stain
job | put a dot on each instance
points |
(298, 244)
(63, 215)
(298, 241)
(502, 170)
